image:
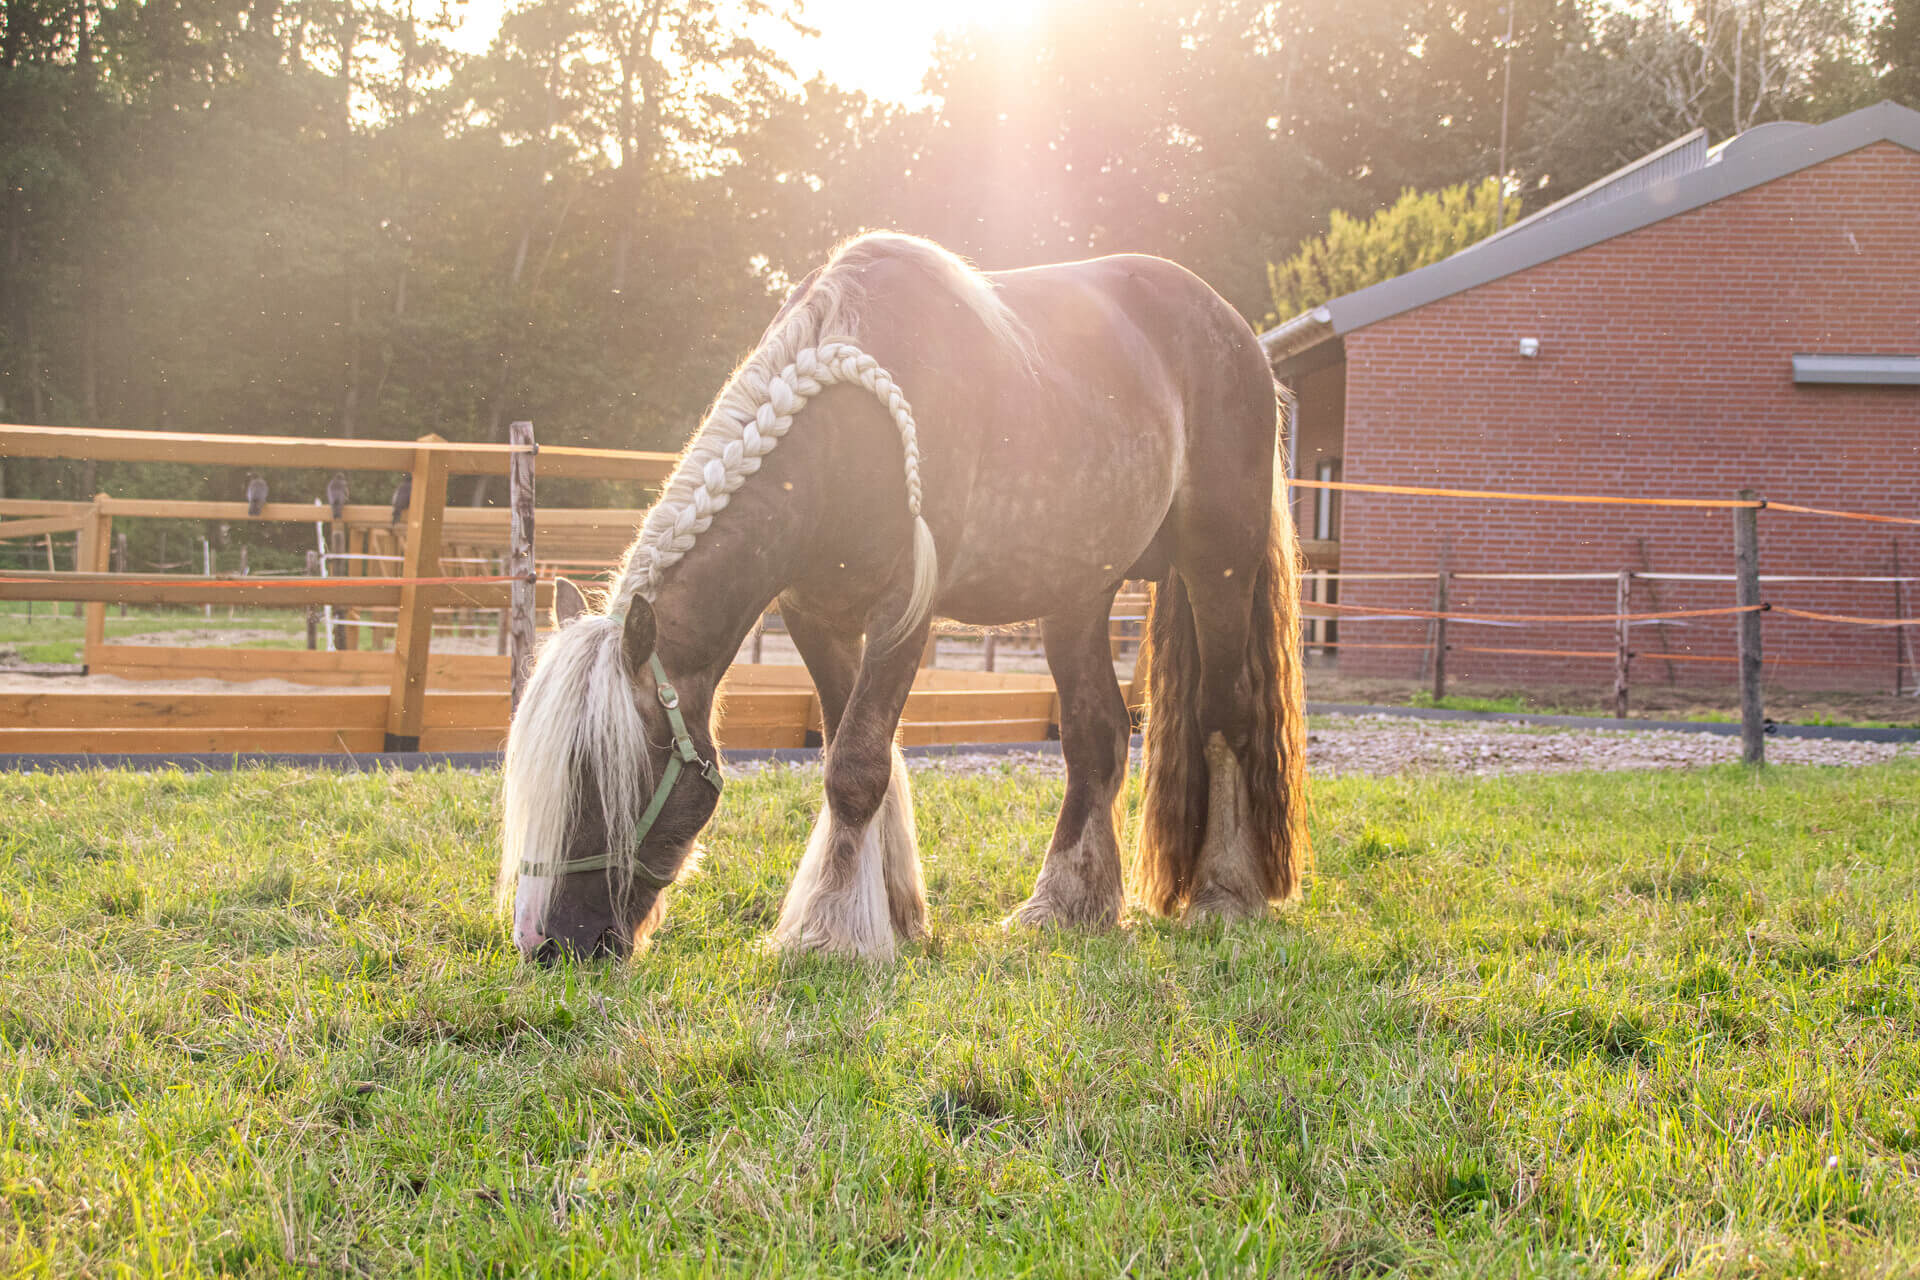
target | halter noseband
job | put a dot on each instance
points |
(683, 754)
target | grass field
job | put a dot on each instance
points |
(53, 635)
(1656, 1024)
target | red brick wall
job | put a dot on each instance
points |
(1664, 370)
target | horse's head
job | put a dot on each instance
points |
(610, 775)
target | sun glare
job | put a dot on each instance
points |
(883, 48)
(880, 47)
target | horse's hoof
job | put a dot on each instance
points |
(1044, 913)
(871, 951)
(1220, 908)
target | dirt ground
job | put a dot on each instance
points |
(1383, 746)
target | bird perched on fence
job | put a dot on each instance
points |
(401, 497)
(337, 494)
(256, 494)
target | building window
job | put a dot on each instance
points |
(1859, 371)
(1326, 510)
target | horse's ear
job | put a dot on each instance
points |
(568, 602)
(636, 638)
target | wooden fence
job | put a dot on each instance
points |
(432, 702)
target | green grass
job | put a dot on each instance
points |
(1655, 1024)
(1509, 705)
(54, 635)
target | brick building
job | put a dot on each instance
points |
(1705, 320)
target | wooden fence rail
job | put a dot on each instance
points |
(433, 701)
(81, 443)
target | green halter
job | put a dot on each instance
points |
(683, 755)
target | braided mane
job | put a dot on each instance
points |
(813, 346)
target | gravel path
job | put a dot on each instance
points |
(1384, 745)
(1390, 744)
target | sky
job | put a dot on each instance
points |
(881, 47)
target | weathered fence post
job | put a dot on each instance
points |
(1623, 654)
(987, 651)
(520, 623)
(1902, 636)
(98, 544)
(1746, 569)
(313, 610)
(413, 632)
(120, 562)
(759, 638)
(1440, 585)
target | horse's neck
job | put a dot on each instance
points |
(709, 601)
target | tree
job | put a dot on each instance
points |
(1419, 228)
(1641, 74)
(1896, 44)
(1214, 132)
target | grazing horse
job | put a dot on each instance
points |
(1068, 427)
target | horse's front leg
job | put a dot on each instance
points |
(1081, 883)
(858, 886)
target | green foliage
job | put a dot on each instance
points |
(52, 634)
(317, 217)
(1896, 44)
(1634, 75)
(1419, 228)
(266, 1023)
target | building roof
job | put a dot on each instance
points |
(1680, 176)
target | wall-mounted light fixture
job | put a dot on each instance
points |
(1529, 347)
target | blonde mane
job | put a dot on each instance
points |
(578, 711)
(813, 346)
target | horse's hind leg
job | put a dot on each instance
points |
(858, 886)
(1080, 881)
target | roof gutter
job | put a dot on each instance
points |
(1307, 329)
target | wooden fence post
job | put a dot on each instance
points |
(313, 610)
(520, 565)
(987, 651)
(97, 543)
(413, 632)
(1440, 633)
(349, 630)
(1623, 653)
(1902, 636)
(120, 562)
(1746, 568)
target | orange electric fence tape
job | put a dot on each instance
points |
(1841, 617)
(1532, 617)
(1842, 515)
(1636, 655)
(1535, 653)
(1418, 491)
(1769, 660)
(1359, 644)
(182, 580)
(1423, 491)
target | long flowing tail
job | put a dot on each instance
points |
(1174, 802)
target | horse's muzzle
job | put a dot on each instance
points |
(612, 944)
